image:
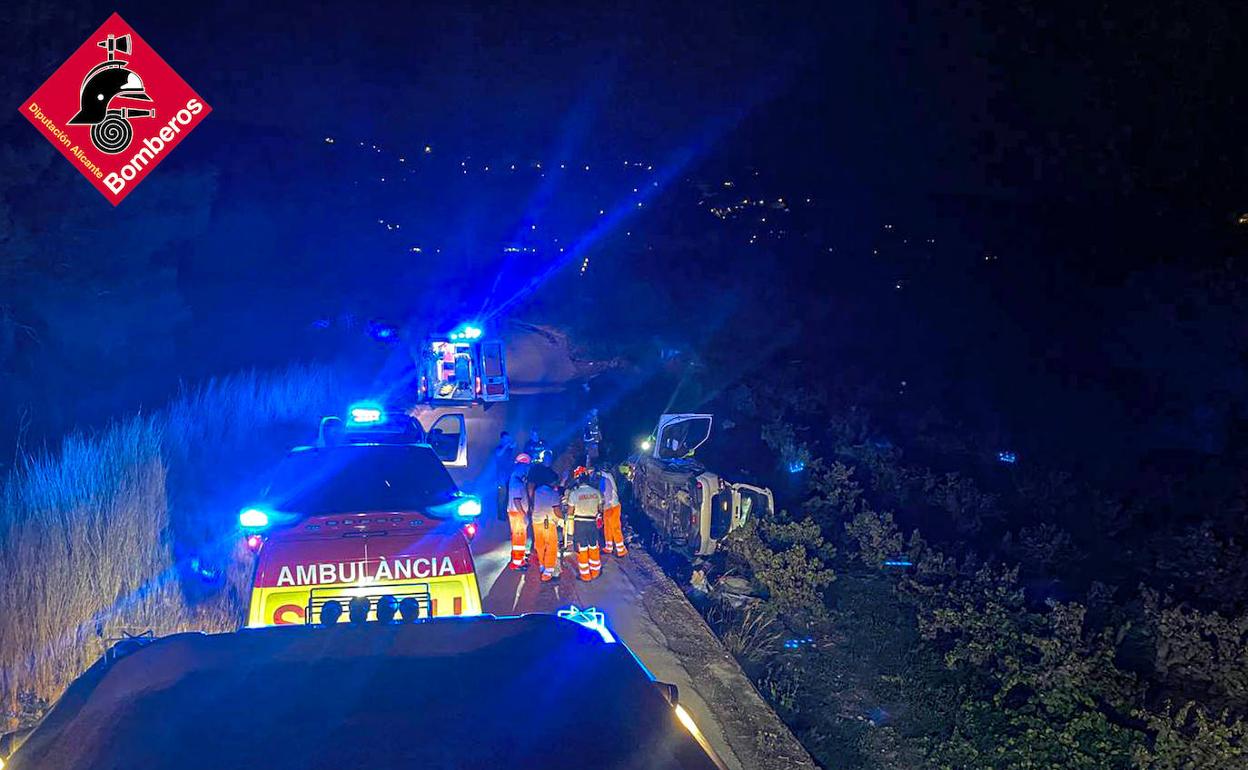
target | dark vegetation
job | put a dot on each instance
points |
(992, 616)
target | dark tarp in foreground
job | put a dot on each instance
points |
(529, 692)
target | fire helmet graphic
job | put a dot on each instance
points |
(105, 83)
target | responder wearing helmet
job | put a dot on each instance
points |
(585, 506)
(613, 526)
(547, 510)
(519, 506)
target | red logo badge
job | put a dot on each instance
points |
(115, 109)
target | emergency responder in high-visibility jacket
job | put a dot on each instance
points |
(519, 503)
(584, 507)
(613, 527)
(547, 510)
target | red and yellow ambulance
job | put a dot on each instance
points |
(341, 524)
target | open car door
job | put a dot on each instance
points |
(448, 437)
(493, 371)
(678, 435)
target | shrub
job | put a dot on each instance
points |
(789, 560)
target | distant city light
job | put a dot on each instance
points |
(1007, 457)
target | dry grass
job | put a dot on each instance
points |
(96, 538)
(752, 633)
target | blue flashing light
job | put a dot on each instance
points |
(366, 413)
(797, 466)
(468, 507)
(253, 518)
(467, 332)
(898, 563)
(590, 617)
(382, 331)
(1009, 458)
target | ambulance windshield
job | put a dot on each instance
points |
(360, 478)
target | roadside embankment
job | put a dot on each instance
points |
(756, 738)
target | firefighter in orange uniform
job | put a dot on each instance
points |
(584, 507)
(519, 504)
(613, 527)
(547, 511)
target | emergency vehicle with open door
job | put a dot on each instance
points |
(380, 521)
(462, 368)
(690, 507)
(368, 422)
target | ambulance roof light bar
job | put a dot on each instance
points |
(467, 332)
(366, 413)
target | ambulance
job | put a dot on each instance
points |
(462, 368)
(361, 521)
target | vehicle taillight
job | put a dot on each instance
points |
(254, 542)
(470, 530)
(478, 386)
